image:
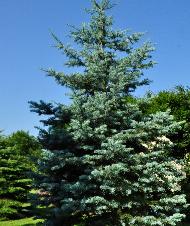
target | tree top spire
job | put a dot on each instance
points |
(101, 5)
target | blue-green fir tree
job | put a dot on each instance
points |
(106, 164)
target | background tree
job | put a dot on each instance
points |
(114, 167)
(16, 153)
(177, 101)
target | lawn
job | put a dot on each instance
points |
(31, 222)
(22, 222)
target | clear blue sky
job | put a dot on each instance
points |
(25, 47)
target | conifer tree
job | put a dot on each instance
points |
(106, 163)
(16, 153)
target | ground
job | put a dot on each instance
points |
(22, 222)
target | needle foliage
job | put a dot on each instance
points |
(107, 163)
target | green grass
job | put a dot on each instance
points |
(31, 222)
(21, 222)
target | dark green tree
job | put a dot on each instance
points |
(177, 101)
(16, 154)
(107, 163)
